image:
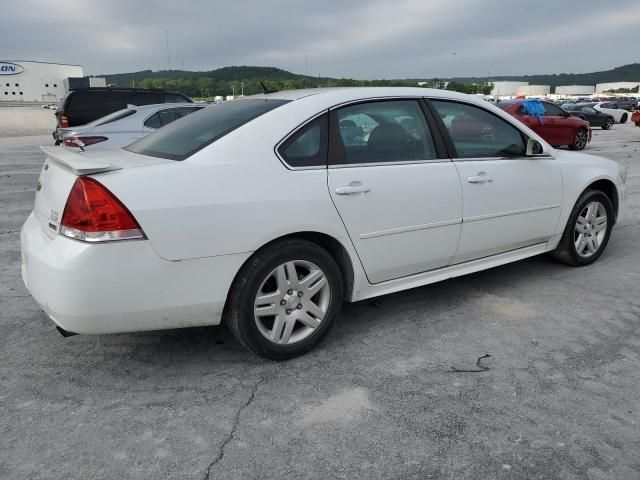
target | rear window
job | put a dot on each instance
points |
(112, 117)
(175, 98)
(183, 138)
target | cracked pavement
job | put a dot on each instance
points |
(377, 399)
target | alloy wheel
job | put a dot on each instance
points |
(581, 139)
(590, 229)
(292, 302)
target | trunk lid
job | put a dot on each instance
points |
(60, 170)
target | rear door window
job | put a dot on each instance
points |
(384, 131)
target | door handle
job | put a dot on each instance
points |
(480, 178)
(352, 189)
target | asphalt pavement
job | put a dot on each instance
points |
(557, 397)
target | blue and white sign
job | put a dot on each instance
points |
(8, 68)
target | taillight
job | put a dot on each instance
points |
(64, 121)
(82, 141)
(94, 214)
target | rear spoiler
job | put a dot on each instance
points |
(78, 163)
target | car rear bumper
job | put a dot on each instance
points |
(121, 286)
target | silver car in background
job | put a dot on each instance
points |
(121, 128)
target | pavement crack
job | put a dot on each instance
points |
(7, 232)
(231, 435)
(479, 364)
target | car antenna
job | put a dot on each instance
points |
(265, 90)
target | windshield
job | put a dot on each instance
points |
(186, 136)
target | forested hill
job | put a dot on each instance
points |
(626, 73)
(224, 81)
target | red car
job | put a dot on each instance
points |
(556, 126)
(635, 118)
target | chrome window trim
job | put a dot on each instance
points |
(484, 159)
(378, 164)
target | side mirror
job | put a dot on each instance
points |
(534, 148)
(566, 114)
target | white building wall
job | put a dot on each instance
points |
(36, 81)
(506, 89)
(575, 90)
(605, 87)
(533, 90)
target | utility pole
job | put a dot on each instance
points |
(233, 91)
(166, 33)
(242, 89)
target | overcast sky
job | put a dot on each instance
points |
(338, 38)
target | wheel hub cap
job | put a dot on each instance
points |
(292, 302)
(590, 229)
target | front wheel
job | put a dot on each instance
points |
(580, 140)
(588, 230)
(608, 124)
(285, 299)
(624, 118)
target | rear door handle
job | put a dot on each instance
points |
(480, 178)
(352, 189)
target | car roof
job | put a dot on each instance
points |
(356, 93)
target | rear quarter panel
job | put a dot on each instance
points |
(233, 196)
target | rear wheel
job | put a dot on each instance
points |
(285, 299)
(588, 230)
(624, 118)
(580, 140)
(608, 124)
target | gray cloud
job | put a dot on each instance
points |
(363, 39)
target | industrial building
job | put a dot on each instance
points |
(23, 80)
(571, 90)
(506, 89)
(607, 87)
(533, 90)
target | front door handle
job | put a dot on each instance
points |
(352, 189)
(480, 178)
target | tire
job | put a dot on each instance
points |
(580, 140)
(568, 250)
(269, 272)
(624, 118)
(637, 124)
(608, 124)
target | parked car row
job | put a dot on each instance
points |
(555, 125)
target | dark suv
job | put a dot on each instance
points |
(82, 106)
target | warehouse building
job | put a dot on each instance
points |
(533, 90)
(23, 80)
(607, 87)
(506, 89)
(570, 90)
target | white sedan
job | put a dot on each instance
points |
(620, 115)
(125, 126)
(269, 211)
